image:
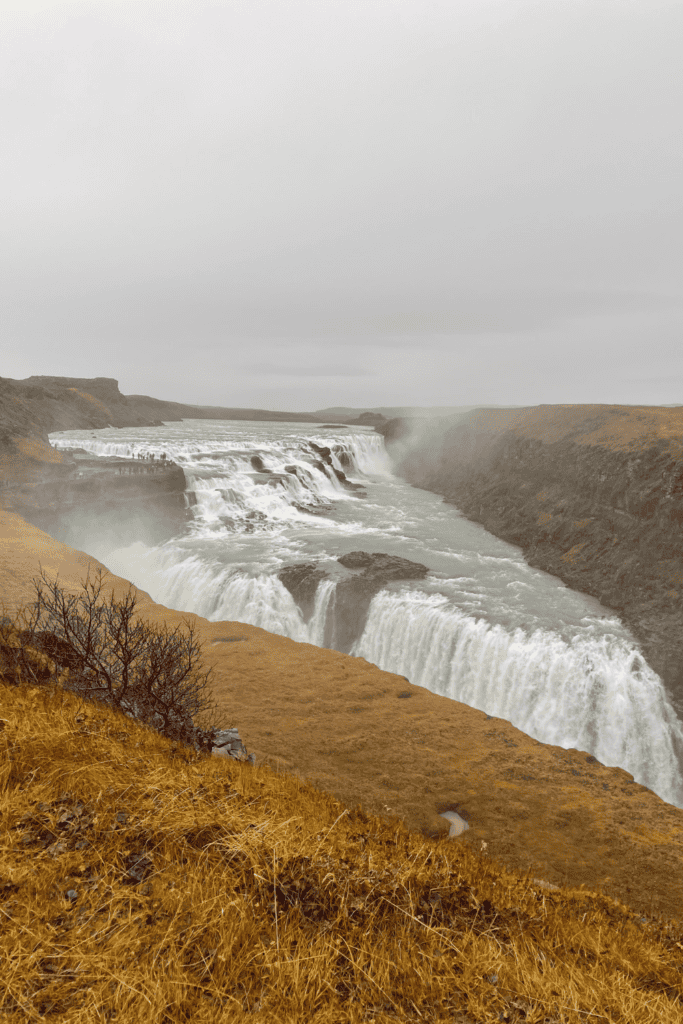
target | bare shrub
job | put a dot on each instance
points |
(150, 674)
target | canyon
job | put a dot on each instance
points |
(591, 494)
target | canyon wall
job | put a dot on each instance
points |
(591, 493)
(72, 495)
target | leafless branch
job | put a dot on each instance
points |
(149, 673)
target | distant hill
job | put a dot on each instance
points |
(343, 412)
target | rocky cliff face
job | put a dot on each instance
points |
(110, 501)
(86, 402)
(591, 494)
(31, 409)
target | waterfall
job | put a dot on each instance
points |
(483, 628)
(594, 694)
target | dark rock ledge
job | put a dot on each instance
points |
(354, 592)
(117, 500)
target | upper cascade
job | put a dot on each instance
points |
(250, 486)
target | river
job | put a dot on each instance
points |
(483, 628)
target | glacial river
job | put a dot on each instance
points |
(484, 628)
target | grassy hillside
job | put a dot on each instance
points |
(142, 881)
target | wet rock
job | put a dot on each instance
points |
(252, 519)
(388, 567)
(302, 582)
(312, 510)
(258, 463)
(349, 609)
(354, 595)
(349, 484)
(325, 453)
(326, 459)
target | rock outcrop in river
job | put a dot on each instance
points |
(591, 493)
(354, 592)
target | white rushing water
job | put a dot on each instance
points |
(483, 628)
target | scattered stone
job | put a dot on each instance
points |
(227, 743)
(220, 743)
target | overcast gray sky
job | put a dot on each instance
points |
(294, 204)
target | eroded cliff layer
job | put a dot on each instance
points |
(109, 500)
(591, 493)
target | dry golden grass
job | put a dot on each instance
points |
(141, 881)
